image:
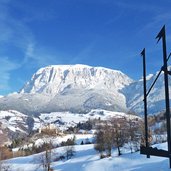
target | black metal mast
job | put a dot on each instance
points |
(167, 102)
(145, 100)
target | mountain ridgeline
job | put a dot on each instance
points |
(81, 88)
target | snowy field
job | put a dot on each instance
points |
(87, 159)
(72, 119)
(16, 121)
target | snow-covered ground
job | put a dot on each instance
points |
(57, 140)
(11, 119)
(63, 120)
(86, 159)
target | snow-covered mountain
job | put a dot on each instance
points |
(57, 79)
(156, 98)
(75, 88)
(81, 88)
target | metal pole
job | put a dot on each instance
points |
(167, 102)
(145, 100)
(157, 77)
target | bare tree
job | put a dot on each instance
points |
(133, 133)
(69, 147)
(104, 141)
(99, 146)
(115, 133)
(46, 157)
(69, 150)
(150, 138)
(119, 132)
(108, 141)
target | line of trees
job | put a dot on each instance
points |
(117, 132)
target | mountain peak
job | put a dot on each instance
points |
(76, 67)
(54, 79)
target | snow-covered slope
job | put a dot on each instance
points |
(57, 79)
(86, 159)
(64, 120)
(14, 124)
(156, 98)
(81, 88)
(75, 88)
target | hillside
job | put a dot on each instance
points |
(15, 125)
(156, 98)
(86, 159)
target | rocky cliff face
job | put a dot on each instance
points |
(75, 88)
(80, 88)
(59, 78)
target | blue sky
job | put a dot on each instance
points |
(108, 33)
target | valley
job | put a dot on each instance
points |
(64, 107)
